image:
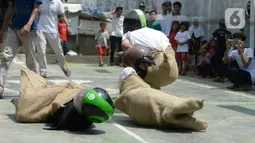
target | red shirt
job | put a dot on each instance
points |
(62, 31)
(171, 39)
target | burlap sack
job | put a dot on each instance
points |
(152, 107)
(166, 67)
(37, 101)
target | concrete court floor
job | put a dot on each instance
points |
(230, 115)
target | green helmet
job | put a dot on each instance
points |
(94, 103)
(134, 20)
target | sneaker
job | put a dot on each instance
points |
(219, 79)
(71, 53)
(67, 72)
(233, 87)
(244, 88)
(43, 74)
(1, 92)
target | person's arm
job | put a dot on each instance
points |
(35, 12)
(126, 44)
(245, 60)
(227, 58)
(7, 19)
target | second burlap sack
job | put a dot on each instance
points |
(152, 107)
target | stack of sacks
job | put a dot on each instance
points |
(152, 107)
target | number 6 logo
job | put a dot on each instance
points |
(235, 18)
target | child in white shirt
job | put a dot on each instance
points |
(182, 38)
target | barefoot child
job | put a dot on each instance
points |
(182, 38)
(101, 46)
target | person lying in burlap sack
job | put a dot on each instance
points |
(64, 106)
(154, 45)
(151, 107)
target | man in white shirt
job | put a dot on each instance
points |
(244, 76)
(177, 16)
(148, 51)
(165, 18)
(48, 32)
(117, 32)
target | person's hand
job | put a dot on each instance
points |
(227, 44)
(1, 35)
(24, 31)
(240, 45)
(69, 29)
(107, 47)
(203, 46)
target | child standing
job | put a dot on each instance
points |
(102, 36)
(182, 38)
(62, 29)
(173, 32)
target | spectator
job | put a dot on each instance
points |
(204, 66)
(3, 8)
(182, 38)
(48, 32)
(177, 16)
(196, 33)
(165, 19)
(244, 76)
(220, 35)
(233, 64)
(102, 36)
(22, 32)
(246, 29)
(142, 7)
(174, 30)
(62, 28)
(169, 11)
(117, 33)
(153, 23)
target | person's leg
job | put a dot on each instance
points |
(233, 76)
(54, 42)
(245, 81)
(41, 50)
(10, 48)
(113, 47)
(120, 50)
(29, 43)
(64, 47)
(100, 52)
(185, 63)
(119, 43)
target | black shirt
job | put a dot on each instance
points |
(221, 35)
(3, 6)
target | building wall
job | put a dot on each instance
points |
(208, 11)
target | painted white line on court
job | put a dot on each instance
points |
(211, 87)
(140, 139)
(230, 103)
(55, 81)
(196, 84)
